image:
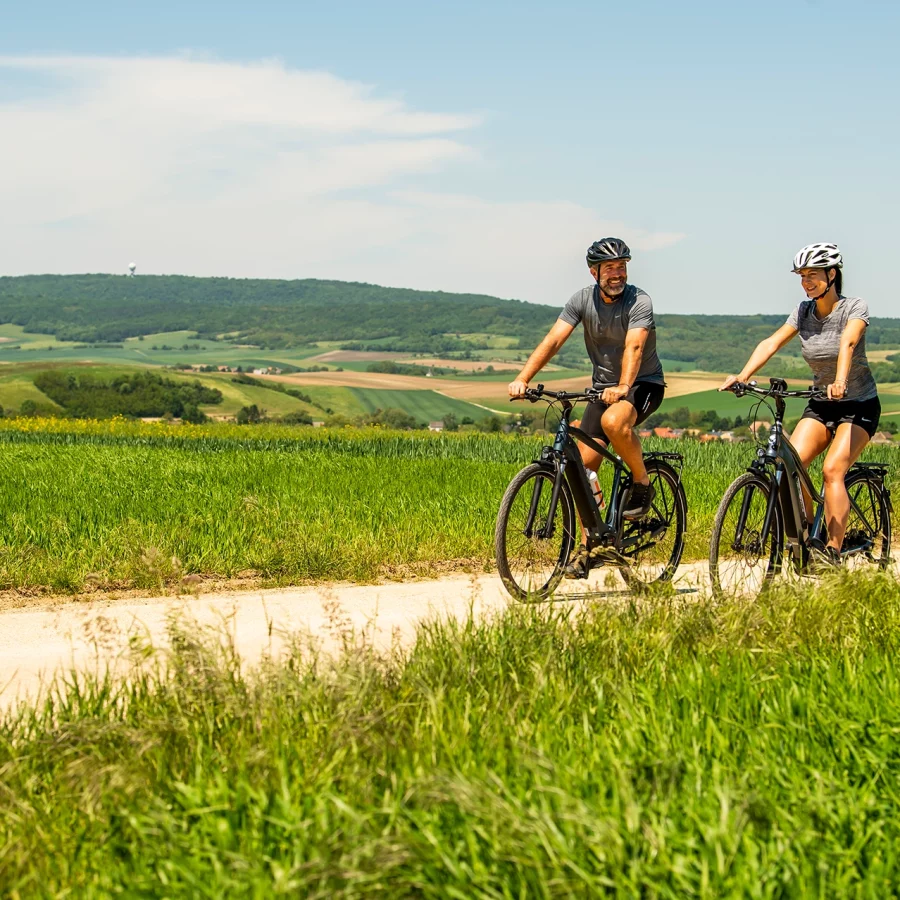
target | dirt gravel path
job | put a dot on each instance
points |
(36, 644)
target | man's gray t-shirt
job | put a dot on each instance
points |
(820, 344)
(605, 325)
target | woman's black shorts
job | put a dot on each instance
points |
(832, 413)
(644, 396)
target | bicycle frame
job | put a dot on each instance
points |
(787, 480)
(566, 461)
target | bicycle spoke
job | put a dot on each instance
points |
(656, 539)
(865, 542)
(530, 554)
(741, 558)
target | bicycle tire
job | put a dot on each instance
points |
(875, 528)
(737, 578)
(664, 509)
(548, 562)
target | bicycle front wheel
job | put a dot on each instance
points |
(655, 542)
(531, 551)
(741, 560)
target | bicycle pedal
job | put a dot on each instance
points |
(604, 555)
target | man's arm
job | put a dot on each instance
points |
(546, 350)
(635, 338)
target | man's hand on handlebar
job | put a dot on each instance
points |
(615, 394)
(517, 389)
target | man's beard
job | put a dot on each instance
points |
(613, 290)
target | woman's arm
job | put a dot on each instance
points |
(764, 351)
(851, 336)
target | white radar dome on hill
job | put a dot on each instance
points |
(131, 268)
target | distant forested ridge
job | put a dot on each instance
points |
(277, 314)
(267, 313)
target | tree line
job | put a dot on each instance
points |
(137, 395)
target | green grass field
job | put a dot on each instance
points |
(667, 749)
(16, 386)
(88, 502)
(726, 404)
(24, 347)
(424, 406)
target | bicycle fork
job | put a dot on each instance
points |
(546, 531)
(738, 543)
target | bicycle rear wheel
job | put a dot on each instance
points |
(530, 553)
(656, 541)
(867, 540)
(740, 561)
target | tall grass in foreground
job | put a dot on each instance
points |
(669, 749)
(121, 503)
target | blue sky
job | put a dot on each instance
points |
(474, 147)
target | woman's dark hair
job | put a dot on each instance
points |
(838, 281)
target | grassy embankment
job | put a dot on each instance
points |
(668, 750)
(120, 503)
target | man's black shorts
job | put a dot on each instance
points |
(644, 396)
(832, 413)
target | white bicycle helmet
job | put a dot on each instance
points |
(818, 256)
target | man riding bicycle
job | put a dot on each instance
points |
(620, 337)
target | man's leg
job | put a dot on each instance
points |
(618, 422)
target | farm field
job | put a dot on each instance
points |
(123, 504)
(352, 391)
(16, 386)
(660, 748)
(19, 346)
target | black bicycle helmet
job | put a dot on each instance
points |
(607, 248)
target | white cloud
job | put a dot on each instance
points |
(207, 167)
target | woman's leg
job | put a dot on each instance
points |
(810, 438)
(849, 441)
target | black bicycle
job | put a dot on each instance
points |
(763, 510)
(536, 528)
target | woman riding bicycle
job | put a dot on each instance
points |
(833, 343)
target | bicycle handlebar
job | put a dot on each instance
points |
(541, 393)
(777, 388)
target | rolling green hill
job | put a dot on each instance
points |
(151, 319)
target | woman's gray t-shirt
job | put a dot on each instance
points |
(605, 326)
(820, 344)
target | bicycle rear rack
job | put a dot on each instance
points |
(675, 460)
(879, 468)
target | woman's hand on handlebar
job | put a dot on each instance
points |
(728, 382)
(517, 389)
(837, 390)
